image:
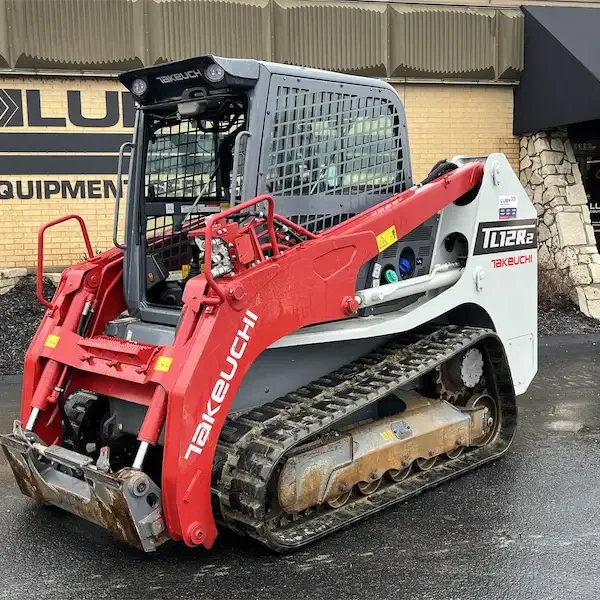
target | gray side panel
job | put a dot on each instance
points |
(277, 372)
(417, 247)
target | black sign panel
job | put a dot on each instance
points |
(506, 236)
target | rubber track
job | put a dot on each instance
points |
(252, 445)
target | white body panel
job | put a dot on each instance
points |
(506, 291)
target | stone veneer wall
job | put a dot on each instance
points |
(566, 242)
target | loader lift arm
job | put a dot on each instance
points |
(227, 323)
(258, 292)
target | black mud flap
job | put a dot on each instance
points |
(127, 503)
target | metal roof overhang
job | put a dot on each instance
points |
(560, 84)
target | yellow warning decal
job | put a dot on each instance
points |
(387, 238)
(185, 270)
(163, 363)
(51, 341)
(386, 435)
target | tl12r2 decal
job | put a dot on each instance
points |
(506, 236)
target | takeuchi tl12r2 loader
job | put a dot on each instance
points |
(292, 335)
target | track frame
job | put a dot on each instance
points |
(252, 445)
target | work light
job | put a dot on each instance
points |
(214, 73)
(139, 87)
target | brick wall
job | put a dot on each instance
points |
(443, 120)
(446, 120)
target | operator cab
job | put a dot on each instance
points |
(211, 132)
(189, 115)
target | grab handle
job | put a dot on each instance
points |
(236, 164)
(118, 192)
(40, 265)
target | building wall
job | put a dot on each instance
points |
(446, 120)
(70, 168)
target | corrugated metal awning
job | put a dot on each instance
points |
(561, 81)
(369, 38)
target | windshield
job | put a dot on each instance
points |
(186, 158)
(180, 161)
(184, 155)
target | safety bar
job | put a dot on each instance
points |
(40, 265)
(118, 192)
(226, 213)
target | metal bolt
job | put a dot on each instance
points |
(139, 485)
(158, 526)
(490, 422)
(196, 534)
(120, 427)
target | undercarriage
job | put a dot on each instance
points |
(335, 452)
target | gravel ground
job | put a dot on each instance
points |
(561, 316)
(20, 314)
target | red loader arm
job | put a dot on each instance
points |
(226, 325)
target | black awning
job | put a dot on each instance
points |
(560, 83)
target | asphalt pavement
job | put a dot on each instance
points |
(525, 527)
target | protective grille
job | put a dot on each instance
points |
(419, 234)
(390, 252)
(316, 223)
(182, 159)
(172, 246)
(334, 143)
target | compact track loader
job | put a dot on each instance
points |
(292, 335)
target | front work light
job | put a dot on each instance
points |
(139, 87)
(214, 73)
